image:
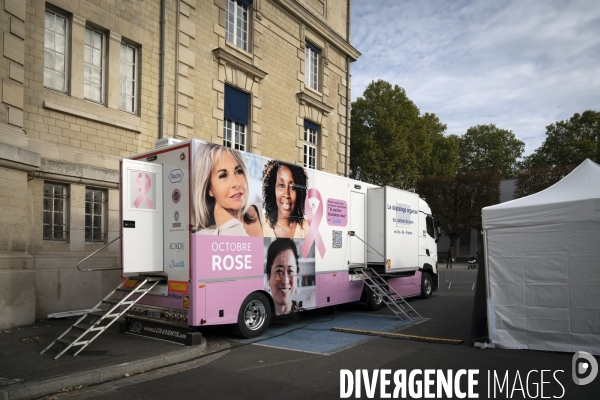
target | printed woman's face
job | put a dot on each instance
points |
(228, 183)
(282, 281)
(285, 194)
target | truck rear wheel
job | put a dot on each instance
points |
(426, 285)
(254, 316)
(374, 301)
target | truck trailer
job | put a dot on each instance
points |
(230, 237)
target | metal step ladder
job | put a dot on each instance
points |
(104, 314)
(390, 297)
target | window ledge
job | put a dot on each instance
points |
(101, 114)
(224, 57)
(241, 53)
(305, 98)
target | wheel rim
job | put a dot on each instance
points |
(377, 299)
(255, 315)
(427, 286)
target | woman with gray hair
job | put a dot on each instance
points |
(220, 193)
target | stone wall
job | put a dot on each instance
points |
(49, 136)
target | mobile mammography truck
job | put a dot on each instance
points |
(211, 223)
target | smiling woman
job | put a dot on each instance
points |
(284, 196)
(282, 271)
(221, 205)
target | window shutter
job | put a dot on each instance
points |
(236, 105)
(310, 125)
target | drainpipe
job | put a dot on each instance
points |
(161, 84)
(348, 26)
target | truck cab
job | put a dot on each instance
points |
(428, 239)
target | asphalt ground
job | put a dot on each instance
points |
(25, 373)
(259, 372)
(234, 369)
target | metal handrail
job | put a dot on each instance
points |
(352, 233)
(98, 269)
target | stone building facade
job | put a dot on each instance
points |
(81, 88)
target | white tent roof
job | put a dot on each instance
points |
(575, 198)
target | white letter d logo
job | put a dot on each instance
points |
(582, 363)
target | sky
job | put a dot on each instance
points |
(520, 65)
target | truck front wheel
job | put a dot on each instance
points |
(426, 285)
(254, 316)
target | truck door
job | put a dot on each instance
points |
(142, 212)
(357, 224)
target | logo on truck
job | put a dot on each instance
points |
(177, 264)
(176, 175)
(143, 191)
(176, 246)
(314, 220)
(176, 196)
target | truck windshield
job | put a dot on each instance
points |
(430, 226)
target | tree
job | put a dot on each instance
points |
(457, 200)
(389, 144)
(535, 179)
(443, 159)
(447, 203)
(484, 191)
(569, 142)
(486, 147)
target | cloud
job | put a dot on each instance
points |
(521, 65)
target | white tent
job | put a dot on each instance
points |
(543, 266)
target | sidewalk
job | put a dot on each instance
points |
(25, 374)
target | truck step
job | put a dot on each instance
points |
(379, 286)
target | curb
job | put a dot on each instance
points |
(96, 376)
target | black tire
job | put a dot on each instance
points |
(426, 285)
(374, 302)
(254, 316)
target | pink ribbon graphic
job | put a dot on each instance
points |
(143, 195)
(313, 234)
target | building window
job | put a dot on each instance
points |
(311, 66)
(237, 22)
(236, 118)
(55, 212)
(93, 66)
(55, 52)
(129, 84)
(234, 135)
(311, 132)
(95, 211)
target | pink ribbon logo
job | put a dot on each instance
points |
(313, 234)
(143, 191)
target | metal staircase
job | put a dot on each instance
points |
(391, 298)
(104, 314)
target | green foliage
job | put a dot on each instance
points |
(392, 144)
(387, 143)
(442, 195)
(443, 159)
(535, 179)
(569, 142)
(486, 147)
(457, 200)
